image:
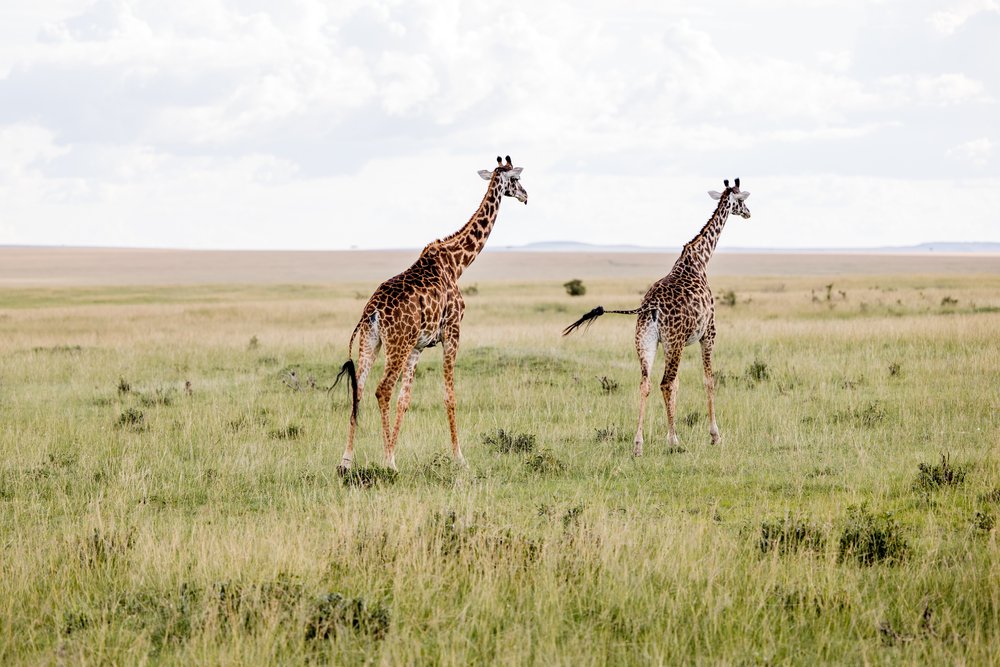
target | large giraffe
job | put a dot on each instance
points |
(678, 310)
(419, 308)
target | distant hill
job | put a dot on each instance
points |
(930, 247)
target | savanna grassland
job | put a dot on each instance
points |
(168, 486)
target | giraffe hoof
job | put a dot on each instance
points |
(344, 467)
(637, 450)
(716, 438)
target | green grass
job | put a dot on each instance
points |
(847, 517)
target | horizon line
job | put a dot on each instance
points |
(561, 246)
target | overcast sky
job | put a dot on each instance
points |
(324, 125)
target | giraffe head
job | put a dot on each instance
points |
(508, 179)
(737, 199)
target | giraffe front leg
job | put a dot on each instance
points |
(706, 360)
(401, 405)
(669, 386)
(645, 346)
(450, 351)
(394, 363)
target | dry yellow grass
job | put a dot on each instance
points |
(140, 524)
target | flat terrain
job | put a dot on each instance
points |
(168, 492)
(35, 267)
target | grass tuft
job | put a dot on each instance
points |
(367, 477)
(508, 442)
(289, 432)
(788, 535)
(869, 539)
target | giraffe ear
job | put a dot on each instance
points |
(714, 195)
(516, 171)
(743, 195)
(486, 174)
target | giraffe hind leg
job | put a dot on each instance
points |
(646, 337)
(669, 386)
(395, 361)
(401, 405)
(367, 353)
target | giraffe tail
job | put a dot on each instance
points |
(589, 318)
(352, 375)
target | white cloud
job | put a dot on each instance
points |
(25, 148)
(978, 151)
(940, 90)
(208, 122)
(947, 21)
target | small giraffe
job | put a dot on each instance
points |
(677, 311)
(419, 308)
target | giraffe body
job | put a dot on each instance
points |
(679, 310)
(421, 308)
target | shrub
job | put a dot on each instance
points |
(334, 612)
(608, 385)
(728, 298)
(505, 442)
(366, 477)
(983, 520)
(948, 301)
(575, 287)
(131, 418)
(934, 476)
(868, 539)
(544, 463)
(757, 371)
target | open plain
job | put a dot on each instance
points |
(168, 452)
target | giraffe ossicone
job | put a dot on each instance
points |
(679, 310)
(420, 308)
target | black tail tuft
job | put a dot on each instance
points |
(352, 375)
(586, 319)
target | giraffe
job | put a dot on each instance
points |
(417, 309)
(677, 311)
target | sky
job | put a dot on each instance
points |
(303, 124)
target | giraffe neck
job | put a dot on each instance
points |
(464, 246)
(699, 250)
